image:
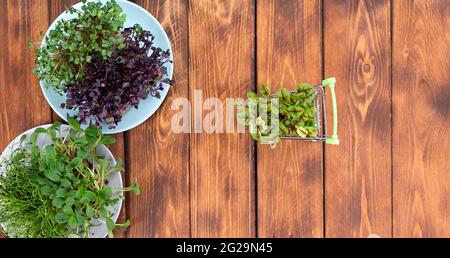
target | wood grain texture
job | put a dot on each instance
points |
(421, 121)
(221, 43)
(290, 176)
(157, 157)
(58, 6)
(22, 105)
(358, 171)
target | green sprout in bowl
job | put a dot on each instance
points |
(60, 189)
(99, 68)
(72, 44)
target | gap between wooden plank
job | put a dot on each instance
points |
(255, 89)
(391, 19)
(324, 150)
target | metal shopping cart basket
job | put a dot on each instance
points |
(320, 108)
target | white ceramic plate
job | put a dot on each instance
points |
(134, 117)
(114, 179)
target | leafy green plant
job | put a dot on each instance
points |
(104, 69)
(94, 30)
(286, 113)
(61, 189)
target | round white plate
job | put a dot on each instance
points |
(134, 117)
(114, 179)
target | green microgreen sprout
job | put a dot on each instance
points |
(284, 114)
(60, 189)
(94, 30)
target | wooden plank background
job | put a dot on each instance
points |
(421, 124)
(388, 178)
(221, 64)
(358, 172)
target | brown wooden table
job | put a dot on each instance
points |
(391, 174)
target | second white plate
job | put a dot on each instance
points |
(114, 179)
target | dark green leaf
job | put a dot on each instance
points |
(89, 211)
(46, 190)
(82, 154)
(70, 200)
(61, 218)
(23, 138)
(92, 131)
(105, 192)
(60, 192)
(40, 130)
(74, 123)
(33, 138)
(65, 183)
(52, 175)
(134, 187)
(91, 140)
(80, 193)
(50, 150)
(81, 142)
(107, 140)
(73, 223)
(80, 218)
(58, 202)
(68, 209)
(88, 196)
(75, 162)
(104, 212)
(110, 224)
(71, 193)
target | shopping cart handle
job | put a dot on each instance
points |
(330, 82)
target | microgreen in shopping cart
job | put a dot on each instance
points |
(288, 114)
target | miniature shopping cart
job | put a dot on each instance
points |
(320, 108)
